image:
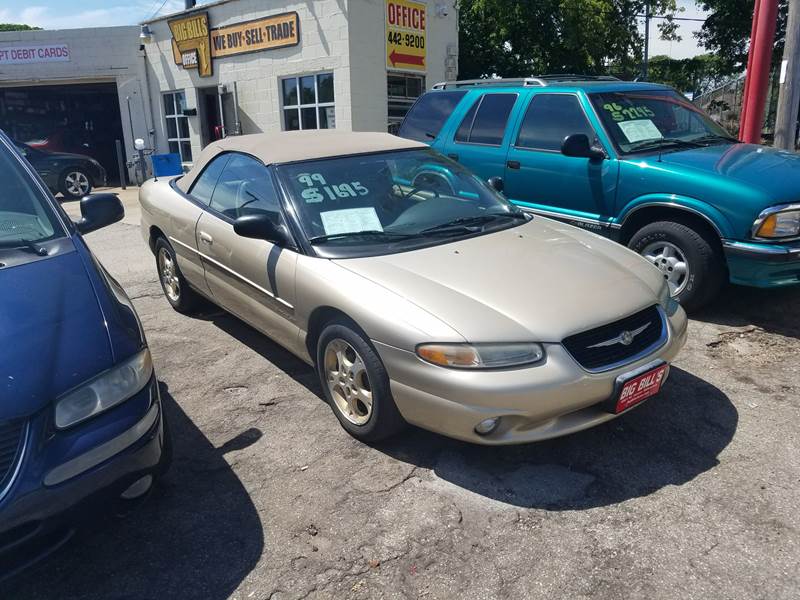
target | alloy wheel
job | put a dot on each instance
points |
(672, 263)
(77, 183)
(348, 381)
(169, 276)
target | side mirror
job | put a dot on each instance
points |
(261, 227)
(578, 145)
(496, 183)
(99, 210)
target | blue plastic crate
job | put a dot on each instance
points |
(165, 165)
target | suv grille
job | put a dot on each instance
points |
(11, 444)
(604, 348)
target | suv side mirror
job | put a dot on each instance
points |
(578, 145)
(496, 183)
(99, 210)
(261, 227)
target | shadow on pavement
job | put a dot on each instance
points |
(773, 310)
(197, 535)
(669, 440)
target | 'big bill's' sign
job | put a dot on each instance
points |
(406, 35)
(194, 44)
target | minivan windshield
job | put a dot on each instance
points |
(646, 120)
(390, 201)
(25, 216)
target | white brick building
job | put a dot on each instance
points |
(274, 65)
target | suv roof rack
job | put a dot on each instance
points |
(539, 80)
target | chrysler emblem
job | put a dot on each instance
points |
(625, 338)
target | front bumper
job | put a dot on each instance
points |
(547, 400)
(67, 477)
(763, 265)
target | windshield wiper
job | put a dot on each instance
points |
(28, 246)
(375, 233)
(714, 136)
(660, 143)
(471, 224)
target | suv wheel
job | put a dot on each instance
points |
(355, 383)
(691, 263)
(177, 291)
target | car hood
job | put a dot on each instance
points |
(541, 281)
(53, 334)
(774, 172)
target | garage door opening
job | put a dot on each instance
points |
(74, 118)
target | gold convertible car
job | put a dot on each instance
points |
(418, 293)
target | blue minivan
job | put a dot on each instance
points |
(636, 162)
(81, 424)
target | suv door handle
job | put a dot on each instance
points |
(513, 164)
(453, 156)
(204, 237)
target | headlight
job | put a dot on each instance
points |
(104, 391)
(667, 302)
(481, 356)
(778, 222)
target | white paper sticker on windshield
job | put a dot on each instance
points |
(350, 219)
(641, 129)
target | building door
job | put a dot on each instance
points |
(211, 125)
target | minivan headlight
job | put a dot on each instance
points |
(104, 391)
(481, 356)
(778, 222)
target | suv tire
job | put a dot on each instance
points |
(667, 244)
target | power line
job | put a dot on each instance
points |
(158, 10)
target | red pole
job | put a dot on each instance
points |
(759, 59)
(745, 92)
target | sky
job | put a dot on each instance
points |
(61, 14)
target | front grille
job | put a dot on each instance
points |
(11, 444)
(600, 349)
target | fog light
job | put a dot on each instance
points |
(487, 426)
(139, 488)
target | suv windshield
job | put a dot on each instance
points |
(640, 121)
(25, 216)
(385, 202)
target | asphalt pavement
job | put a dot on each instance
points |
(692, 495)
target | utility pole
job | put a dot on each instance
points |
(646, 39)
(789, 94)
(755, 90)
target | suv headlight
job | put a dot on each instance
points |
(481, 356)
(778, 222)
(104, 391)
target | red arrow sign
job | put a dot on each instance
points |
(406, 59)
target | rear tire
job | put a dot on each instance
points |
(355, 383)
(75, 183)
(690, 260)
(175, 287)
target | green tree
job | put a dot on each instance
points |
(16, 27)
(693, 75)
(528, 37)
(726, 31)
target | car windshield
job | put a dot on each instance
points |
(25, 216)
(391, 201)
(640, 121)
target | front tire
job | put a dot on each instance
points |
(175, 287)
(690, 260)
(75, 183)
(355, 383)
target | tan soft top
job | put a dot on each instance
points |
(289, 146)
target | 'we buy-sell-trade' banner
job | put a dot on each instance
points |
(405, 35)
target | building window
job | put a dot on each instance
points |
(308, 102)
(403, 90)
(177, 125)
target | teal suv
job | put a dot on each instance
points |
(636, 162)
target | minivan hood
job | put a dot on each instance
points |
(774, 172)
(540, 281)
(52, 332)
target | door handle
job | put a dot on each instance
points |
(204, 237)
(453, 156)
(513, 164)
